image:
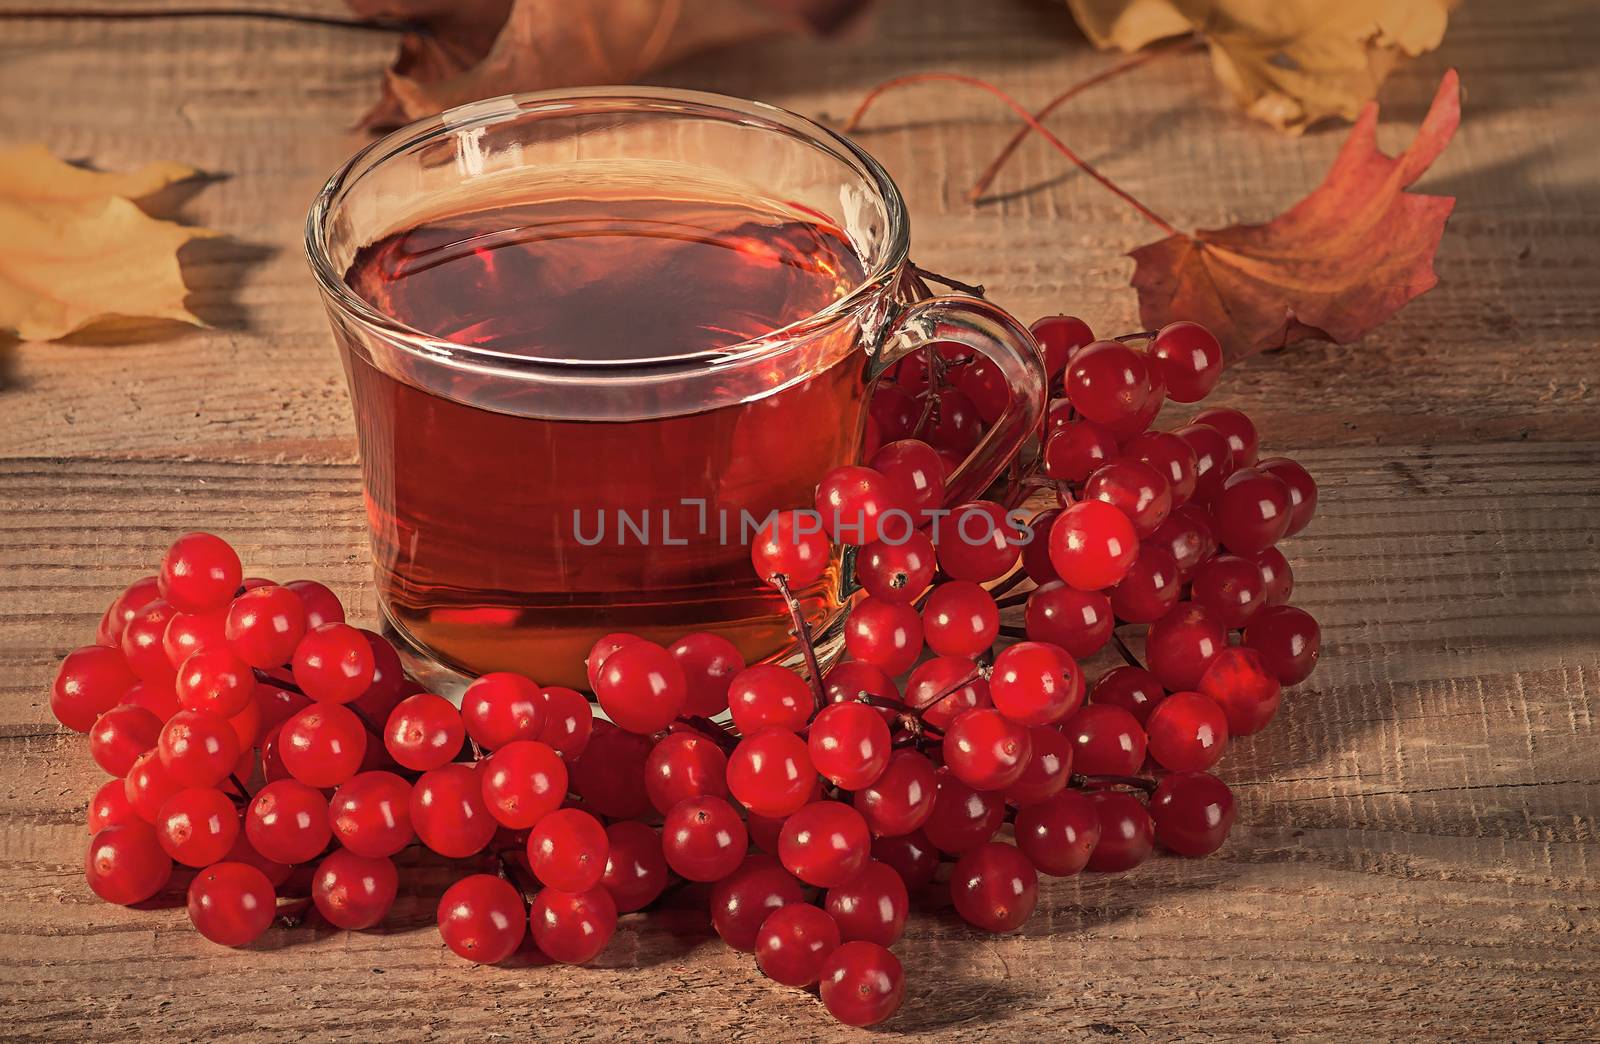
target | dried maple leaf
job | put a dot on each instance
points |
(78, 251)
(463, 50)
(1334, 266)
(1288, 62)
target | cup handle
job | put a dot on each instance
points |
(995, 334)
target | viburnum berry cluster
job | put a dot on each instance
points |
(251, 731)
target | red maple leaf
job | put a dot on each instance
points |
(1334, 266)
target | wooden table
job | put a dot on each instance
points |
(1416, 852)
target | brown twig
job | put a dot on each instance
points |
(802, 634)
(1028, 118)
(1126, 65)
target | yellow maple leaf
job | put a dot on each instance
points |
(1287, 62)
(77, 249)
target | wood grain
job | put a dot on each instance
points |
(1417, 848)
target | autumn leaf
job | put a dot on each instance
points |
(1334, 266)
(1287, 62)
(77, 249)
(463, 50)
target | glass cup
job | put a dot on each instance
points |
(486, 473)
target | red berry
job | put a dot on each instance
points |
(159, 698)
(1074, 450)
(1150, 588)
(1243, 444)
(189, 633)
(685, 765)
(1108, 381)
(423, 732)
(766, 694)
(144, 642)
(704, 839)
(322, 606)
(901, 799)
(568, 721)
(287, 822)
(770, 773)
(217, 681)
(960, 619)
(1190, 359)
(1230, 587)
(982, 382)
(849, 744)
(1277, 579)
(851, 678)
(912, 856)
(265, 625)
(1242, 685)
(134, 597)
(1188, 535)
(323, 745)
(1036, 552)
(853, 502)
(568, 849)
(371, 814)
(897, 571)
(572, 927)
(896, 411)
(1188, 732)
(1059, 833)
(641, 688)
(793, 943)
(333, 663)
(1035, 684)
(709, 663)
(110, 806)
(148, 786)
(913, 474)
(1170, 457)
(1060, 337)
(791, 545)
(602, 649)
(743, 900)
(89, 682)
(979, 541)
(198, 826)
(636, 871)
(1252, 512)
(121, 735)
(501, 708)
(1193, 812)
(1302, 490)
(957, 426)
(987, 750)
(610, 774)
(886, 634)
(125, 864)
(1080, 622)
(1181, 645)
(1127, 834)
(1047, 771)
(1135, 489)
(1288, 640)
(994, 887)
(1213, 461)
(199, 572)
(1106, 740)
(1092, 545)
(873, 905)
(523, 782)
(943, 687)
(825, 843)
(354, 892)
(862, 983)
(1134, 689)
(198, 749)
(962, 818)
(232, 904)
(448, 811)
(482, 919)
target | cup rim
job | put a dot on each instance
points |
(662, 99)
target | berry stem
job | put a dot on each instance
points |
(802, 633)
(1028, 118)
(971, 289)
(244, 791)
(1081, 782)
(1128, 64)
(712, 731)
(1127, 653)
(1142, 335)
